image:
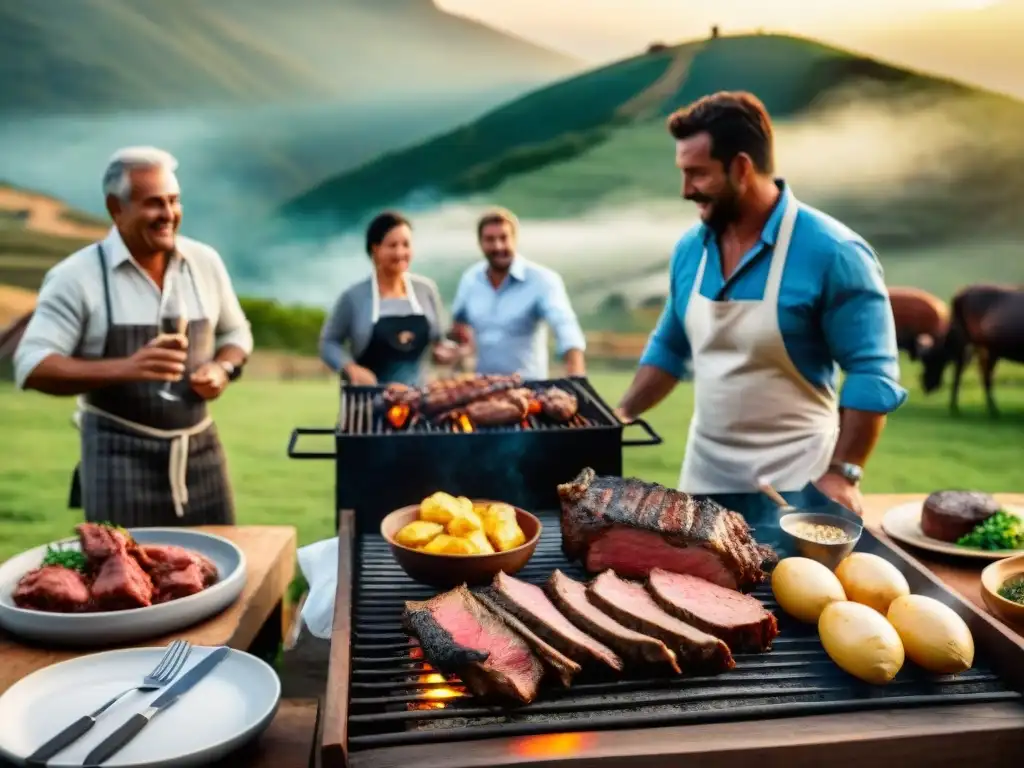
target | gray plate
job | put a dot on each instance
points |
(114, 627)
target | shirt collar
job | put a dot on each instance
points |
(518, 268)
(770, 231)
(117, 252)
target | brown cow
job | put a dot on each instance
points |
(988, 319)
(921, 319)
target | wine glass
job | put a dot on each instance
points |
(173, 319)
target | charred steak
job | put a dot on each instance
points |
(558, 405)
(529, 604)
(502, 409)
(950, 515)
(121, 584)
(570, 597)
(459, 636)
(52, 588)
(630, 603)
(631, 526)
(737, 619)
(564, 668)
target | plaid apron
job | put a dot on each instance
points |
(147, 461)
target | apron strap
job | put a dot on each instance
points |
(414, 303)
(781, 251)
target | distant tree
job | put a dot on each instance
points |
(613, 303)
(656, 48)
(714, 32)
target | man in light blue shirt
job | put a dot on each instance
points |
(768, 300)
(503, 304)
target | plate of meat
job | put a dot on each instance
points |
(109, 585)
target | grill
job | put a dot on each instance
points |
(380, 468)
(386, 707)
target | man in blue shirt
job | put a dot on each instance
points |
(768, 299)
(503, 303)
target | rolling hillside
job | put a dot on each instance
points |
(598, 139)
(73, 56)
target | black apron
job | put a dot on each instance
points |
(123, 476)
(396, 346)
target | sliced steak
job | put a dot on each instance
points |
(459, 636)
(564, 668)
(570, 597)
(529, 604)
(121, 584)
(631, 604)
(737, 619)
(52, 588)
(630, 526)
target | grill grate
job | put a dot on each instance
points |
(360, 416)
(394, 702)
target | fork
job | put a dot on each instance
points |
(165, 671)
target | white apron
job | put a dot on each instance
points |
(754, 413)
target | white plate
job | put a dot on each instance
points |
(112, 627)
(903, 523)
(231, 705)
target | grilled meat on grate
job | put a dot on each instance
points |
(529, 604)
(570, 597)
(564, 668)
(739, 620)
(459, 636)
(631, 526)
(557, 404)
(501, 409)
(448, 394)
(630, 603)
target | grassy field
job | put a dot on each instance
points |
(924, 448)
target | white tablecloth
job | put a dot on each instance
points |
(319, 565)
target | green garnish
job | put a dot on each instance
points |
(1013, 590)
(66, 558)
(1001, 531)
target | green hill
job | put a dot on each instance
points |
(100, 55)
(599, 138)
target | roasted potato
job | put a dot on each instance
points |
(443, 544)
(418, 533)
(465, 522)
(440, 508)
(480, 541)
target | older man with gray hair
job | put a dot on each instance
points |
(147, 460)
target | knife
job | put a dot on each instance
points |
(130, 729)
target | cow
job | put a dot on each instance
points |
(987, 320)
(921, 319)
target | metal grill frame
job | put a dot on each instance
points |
(1000, 657)
(377, 473)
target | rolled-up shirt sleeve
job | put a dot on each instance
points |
(57, 324)
(233, 328)
(334, 335)
(860, 331)
(558, 312)
(668, 348)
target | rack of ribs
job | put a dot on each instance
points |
(632, 527)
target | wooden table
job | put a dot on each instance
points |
(255, 620)
(270, 563)
(961, 574)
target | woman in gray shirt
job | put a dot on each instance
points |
(381, 328)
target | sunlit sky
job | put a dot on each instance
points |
(599, 30)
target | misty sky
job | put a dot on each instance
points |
(599, 30)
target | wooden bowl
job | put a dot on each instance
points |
(992, 578)
(447, 571)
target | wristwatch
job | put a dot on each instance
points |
(852, 473)
(230, 369)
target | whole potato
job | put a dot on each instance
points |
(803, 587)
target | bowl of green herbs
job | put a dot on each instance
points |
(1002, 589)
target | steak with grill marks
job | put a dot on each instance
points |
(570, 597)
(630, 526)
(630, 603)
(558, 663)
(529, 604)
(459, 636)
(502, 409)
(739, 620)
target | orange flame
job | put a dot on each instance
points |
(464, 424)
(398, 415)
(437, 697)
(552, 746)
(534, 407)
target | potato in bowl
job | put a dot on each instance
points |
(446, 540)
